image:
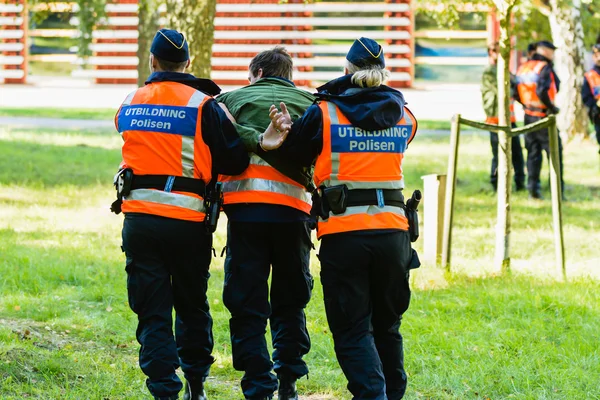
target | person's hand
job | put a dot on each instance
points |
(282, 121)
(554, 110)
(272, 138)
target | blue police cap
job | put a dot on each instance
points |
(547, 44)
(170, 45)
(366, 52)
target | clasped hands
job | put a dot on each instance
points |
(278, 129)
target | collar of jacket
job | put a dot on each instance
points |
(343, 87)
(277, 80)
(596, 68)
(539, 57)
(204, 85)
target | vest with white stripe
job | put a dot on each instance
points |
(161, 125)
(362, 159)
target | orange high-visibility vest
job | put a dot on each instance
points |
(513, 118)
(593, 79)
(261, 183)
(161, 125)
(528, 77)
(362, 159)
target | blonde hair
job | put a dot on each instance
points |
(367, 77)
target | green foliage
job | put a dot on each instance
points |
(531, 17)
(90, 14)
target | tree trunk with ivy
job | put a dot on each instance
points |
(567, 34)
(196, 20)
(148, 25)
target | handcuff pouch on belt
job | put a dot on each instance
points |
(122, 182)
(329, 199)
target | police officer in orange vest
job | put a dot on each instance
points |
(537, 86)
(357, 135)
(176, 139)
(590, 92)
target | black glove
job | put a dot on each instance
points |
(554, 110)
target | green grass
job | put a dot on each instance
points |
(66, 331)
(63, 113)
(109, 114)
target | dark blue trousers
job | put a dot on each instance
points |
(536, 143)
(366, 291)
(253, 249)
(167, 267)
(517, 160)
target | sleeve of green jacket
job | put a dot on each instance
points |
(249, 136)
(489, 92)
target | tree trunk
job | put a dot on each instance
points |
(148, 15)
(567, 34)
(196, 20)
(502, 256)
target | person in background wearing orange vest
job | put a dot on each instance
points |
(590, 92)
(176, 138)
(489, 96)
(268, 216)
(358, 133)
(537, 86)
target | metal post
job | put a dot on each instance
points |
(556, 188)
(434, 188)
(450, 186)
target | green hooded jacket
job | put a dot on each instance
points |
(250, 108)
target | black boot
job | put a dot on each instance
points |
(175, 397)
(287, 388)
(194, 391)
(536, 194)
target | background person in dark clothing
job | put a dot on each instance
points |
(590, 92)
(531, 49)
(358, 134)
(489, 97)
(537, 86)
(268, 230)
(176, 138)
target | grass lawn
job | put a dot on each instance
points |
(66, 331)
(109, 114)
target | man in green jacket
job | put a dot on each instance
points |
(489, 97)
(268, 212)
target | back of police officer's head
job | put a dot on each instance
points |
(366, 63)
(546, 49)
(275, 62)
(169, 52)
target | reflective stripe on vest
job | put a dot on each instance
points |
(513, 118)
(161, 126)
(261, 183)
(593, 79)
(362, 159)
(528, 77)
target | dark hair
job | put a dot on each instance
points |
(170, 66)
(274, 62)
(493, 47)
(531, 47)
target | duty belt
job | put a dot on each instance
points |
(368, 197)
(169, 183)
